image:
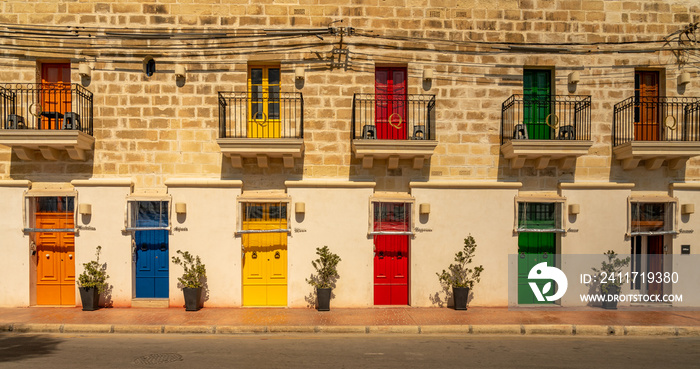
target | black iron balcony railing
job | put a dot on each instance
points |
(393, 117)
(656, 119)
(546, 118)
(46, 106)
(261, 114)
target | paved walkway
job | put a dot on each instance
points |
(587, 321)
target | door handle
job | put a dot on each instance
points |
(70, 257)
(47, 256)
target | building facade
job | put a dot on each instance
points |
(251, 133)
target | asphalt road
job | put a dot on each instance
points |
(343, 351)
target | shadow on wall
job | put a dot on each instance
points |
(23, 347)
(107, 300)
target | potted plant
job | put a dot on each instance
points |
(325, 277)
(91, 282)
(608, 275)
(460, 276)
(191, 280)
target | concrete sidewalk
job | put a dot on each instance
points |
(407, 320)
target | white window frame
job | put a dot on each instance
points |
(559, 212)
(131, 199)
(29, 216)
(671, 211)
(240, 200)
(410, 201)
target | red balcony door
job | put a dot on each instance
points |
(55, 94)
(390, 103)
(646, 112)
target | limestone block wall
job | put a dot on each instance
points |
(152, 128)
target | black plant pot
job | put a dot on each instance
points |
(324, 298)
(460, 294)
(89, 297)
(193, 298)
(609, 301)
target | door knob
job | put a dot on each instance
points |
(70, 257)
(47, 256)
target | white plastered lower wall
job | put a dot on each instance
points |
(484, 210)
(104, 227)
(207, 230)
(336, 216)
(687, 265)
(16, 276)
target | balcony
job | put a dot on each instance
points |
(552, 129)
(261, 125)
(655, 130)
(393, 127)
(48, 118)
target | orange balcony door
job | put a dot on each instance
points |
(56, 260)
(646, 117)
(55, 94)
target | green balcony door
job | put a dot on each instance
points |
(537, 91)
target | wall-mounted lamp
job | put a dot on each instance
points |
(85, 209)
(427, 75)
(683, 78)
(181, 208)
(299, 73)
(149, 66)
(574, 209)
(84, 70)
(574, 78)
(180, 71)
(424, 209)
(300, 207)
(688, 209)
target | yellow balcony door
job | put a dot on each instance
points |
(265, 254)
(264, 102)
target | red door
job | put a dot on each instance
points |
(390, 105)
(55, 94)
(646, 122)
(655, 263)
(391, 253)
(391, 270)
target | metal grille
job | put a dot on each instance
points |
(546, 118)
(656, 119)
(261, 114)
(46, 106)
(398, 116)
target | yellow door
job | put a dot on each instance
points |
(265, 259)
(56, 260)
(264, 102)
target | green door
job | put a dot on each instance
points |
(537, 107)
(534, 248)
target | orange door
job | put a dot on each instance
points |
(646, 122)
(56, 260)
(55, 94)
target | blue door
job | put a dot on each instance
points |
(152, 262)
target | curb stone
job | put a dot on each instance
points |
(236, 329)
(138, 329)
(428, 329)
(688, 331)
(405, 329)
(592, 330)
(189, 329)
(510, 329)
(549, 329)
(87, 328)
(650, 331)
(341, 329)
(37, 328)
(291, 329)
